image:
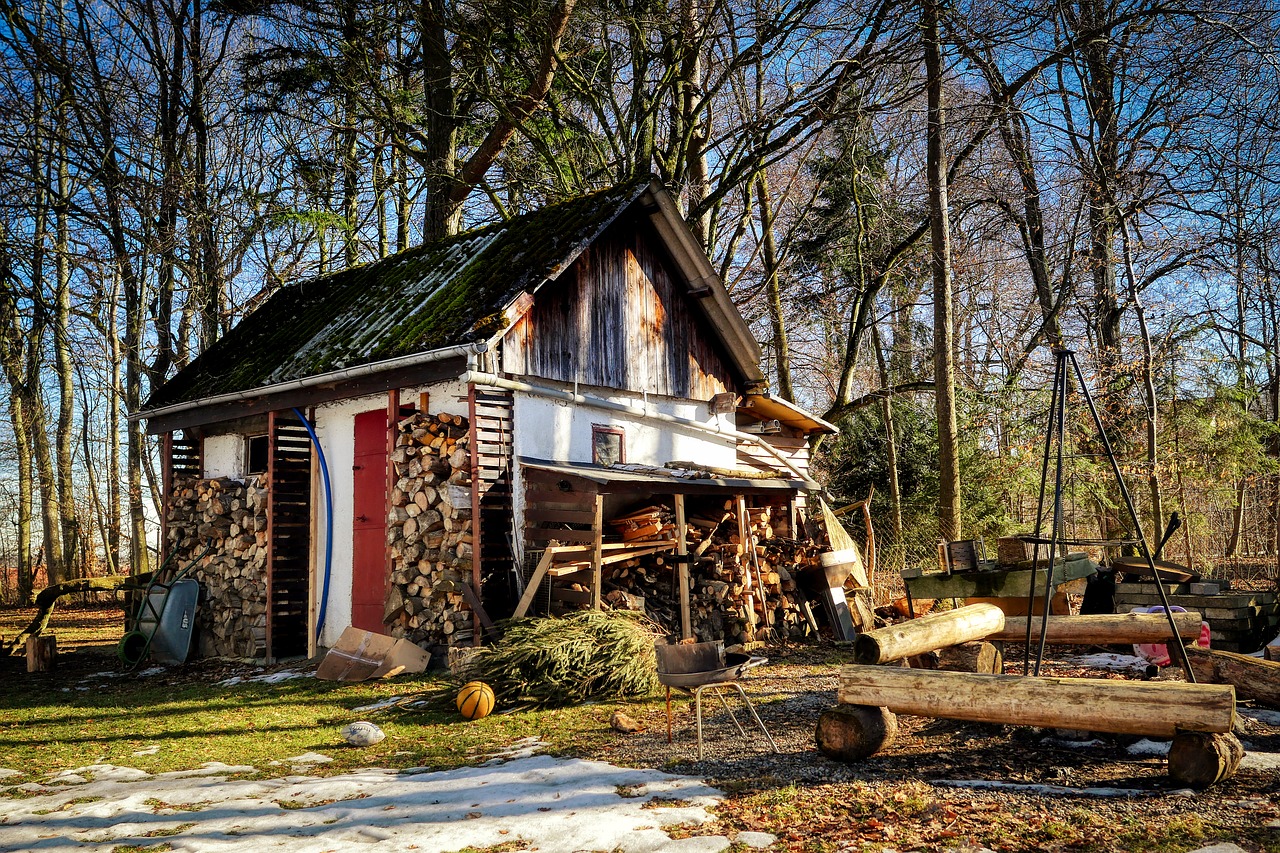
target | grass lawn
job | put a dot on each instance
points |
(86, 712)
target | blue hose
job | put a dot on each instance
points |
(328, 521)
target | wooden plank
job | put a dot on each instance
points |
(531, 589)
(573, 596)
(543, 534)
(597, 529)
(564, 516)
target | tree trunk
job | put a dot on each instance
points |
(890, 438)
(769, 256)
(940, 263)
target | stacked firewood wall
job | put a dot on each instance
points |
(232, 622)
(429, 531)
(725, 602)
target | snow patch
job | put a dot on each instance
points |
(377, 706)
(1271, 718)
(1112, 662)
(1061, 790)
(1149, 747)
(1260, 761)
(555, 805)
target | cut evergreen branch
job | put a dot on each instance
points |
(563, 661)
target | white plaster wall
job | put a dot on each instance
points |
(561, 432)
(335, 425)
(224, 456)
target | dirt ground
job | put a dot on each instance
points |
(942, 785)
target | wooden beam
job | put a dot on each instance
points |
(597, 529)
(682, 568)
(935, 631)
(375, 383)
(477, 536)
(531, 589)
(1151, 708)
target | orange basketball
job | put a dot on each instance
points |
(475, 700)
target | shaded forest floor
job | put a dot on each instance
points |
(943, 785)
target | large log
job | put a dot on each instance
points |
(1199, 759)
(935, 631)
(1254, 679)
(966, 657)
(854, 732)
(1154, 709)
(1101, 628)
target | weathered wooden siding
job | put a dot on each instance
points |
(619, 318)
(795, 450)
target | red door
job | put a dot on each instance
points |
(369, 522)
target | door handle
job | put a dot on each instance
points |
(362, 518)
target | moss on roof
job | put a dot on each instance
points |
(440, 294)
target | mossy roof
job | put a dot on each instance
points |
(436, 295)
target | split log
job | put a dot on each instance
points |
(1254, 679)
(1101, 628)
(41, 652)
(855, 732)
(1199, 759)
(927, 633)
(1155, 709)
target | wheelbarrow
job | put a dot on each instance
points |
(697, 667)
(164, 622)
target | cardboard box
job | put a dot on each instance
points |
(360, 655)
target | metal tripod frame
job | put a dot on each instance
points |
(1057, 424)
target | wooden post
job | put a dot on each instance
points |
(927, 633)
(1151, 708)
(1101, 629)
(166, 492)
(597, 552)
(682, 568)
(749, 598)
(41, 653)
(477, 535)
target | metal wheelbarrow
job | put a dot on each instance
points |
(165, 619)
(695, 667)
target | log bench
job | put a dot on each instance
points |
(1198, 717)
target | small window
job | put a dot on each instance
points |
(255, 454)
(607, 446)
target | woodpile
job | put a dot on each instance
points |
(232, 622)
(743, 588)
(429, 531)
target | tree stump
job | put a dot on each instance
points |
(1199, 759)
(854, 732)
(41, 652)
